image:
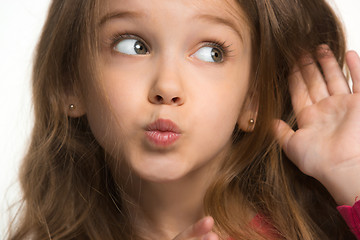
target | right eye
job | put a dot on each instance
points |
(131, 47)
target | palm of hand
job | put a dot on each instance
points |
(327, 142)
(328, 135)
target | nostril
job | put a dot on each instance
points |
(159, 98)
(175, 99)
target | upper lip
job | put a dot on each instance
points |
(163, 125)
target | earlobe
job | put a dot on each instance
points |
(74, 107)
(247, 121)
(248, 116)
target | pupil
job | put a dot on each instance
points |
(216, 55)
(139, 48)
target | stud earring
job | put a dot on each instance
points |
(72, 107)
(251, 121)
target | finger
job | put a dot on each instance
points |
(353, 62)
(298, 90)
(283, 134)
(199, 229)
(334, 77)
(210, 236)
(313, 79)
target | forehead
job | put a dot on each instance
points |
(180, 10)
(200, 5)
(179, 16)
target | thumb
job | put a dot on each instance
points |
(201, 229)
(283, 133)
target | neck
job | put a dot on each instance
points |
(171, 207)
(164, 209)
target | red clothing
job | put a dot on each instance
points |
(352, 217)
(264, 227)
(350, 214)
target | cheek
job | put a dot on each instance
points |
(111, 111)
(125, 87)
(101, 122)
(220, 107)
(231, 98)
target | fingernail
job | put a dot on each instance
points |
(306, 60)
(324, 51)
(295, 69)
(206, 220)
(206, 236)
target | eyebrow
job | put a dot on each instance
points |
(206, 17)
(219, 20)
(120, 14)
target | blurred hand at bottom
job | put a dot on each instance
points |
(201, 230)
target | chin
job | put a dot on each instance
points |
(161, 173)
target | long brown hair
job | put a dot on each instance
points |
(68, 189)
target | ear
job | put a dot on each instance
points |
(248, 114)
(74, 106)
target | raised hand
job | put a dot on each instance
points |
(201, 230)
(327, 144)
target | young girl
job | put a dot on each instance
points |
(161, 120)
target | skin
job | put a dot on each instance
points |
(171, 81)
(195, 95)
(326, 146)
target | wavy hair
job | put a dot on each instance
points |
(68, 189)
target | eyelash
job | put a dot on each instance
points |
(118, 36)
(221, 45)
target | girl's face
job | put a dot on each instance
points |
(175, 75)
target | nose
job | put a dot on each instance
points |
(167, 85)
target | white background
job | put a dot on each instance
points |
(20, 24)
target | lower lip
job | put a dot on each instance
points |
(162, 138)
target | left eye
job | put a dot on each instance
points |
(209, 54)
(131, 47)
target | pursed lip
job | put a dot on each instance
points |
(163, 132)
(163, 125)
